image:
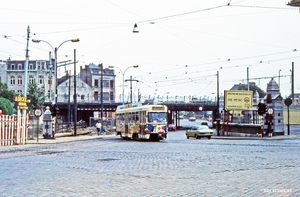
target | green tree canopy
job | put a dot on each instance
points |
(36, 96)
(6, 93)
(6, 106)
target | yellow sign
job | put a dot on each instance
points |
(238, 99)
(22, 102)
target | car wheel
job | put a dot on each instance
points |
(187, 137)
(209, 137)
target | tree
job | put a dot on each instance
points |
(253, 88)
(6, 106)
(6, 93)
(36, 96)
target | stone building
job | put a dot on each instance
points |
(91, 74)
(88, 81)
(274, 101)
(39, 71)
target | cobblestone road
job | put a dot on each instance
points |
(175, 167)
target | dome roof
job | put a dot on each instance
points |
(272, 86)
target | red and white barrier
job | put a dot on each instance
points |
(13, 129)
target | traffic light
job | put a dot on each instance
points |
(261, 108)
(54, 110)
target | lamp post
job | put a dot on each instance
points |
(55, 59)
(123, 75)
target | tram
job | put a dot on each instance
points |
(137, 121)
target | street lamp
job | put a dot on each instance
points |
(279, 78)
(55, 59)
(135, 28)
(123, 75)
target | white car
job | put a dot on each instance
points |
(192, 119)
(199, 131)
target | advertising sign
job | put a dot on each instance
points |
(238, 99)
(22, 102)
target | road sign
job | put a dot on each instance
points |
(238, 99)
(270, 110)
(37, 112)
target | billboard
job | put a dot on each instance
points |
(238, 99)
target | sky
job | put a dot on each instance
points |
(180, 47)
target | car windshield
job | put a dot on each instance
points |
(157, 117)
(199, 127)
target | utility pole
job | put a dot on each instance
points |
(218, 105)
(292, 96)
(101, 86)
(131, 80)
(75, 96)
(26, 63)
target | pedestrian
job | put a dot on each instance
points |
(269, 129)
(98, 126)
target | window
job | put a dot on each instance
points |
(41, 80)
(111, 84)
(106, 96)
(31, 79)
(19, 80)
(19, 92)
(12, 80)
(20, 67)
(66, 96)
(43, 65)
(96, 83)
(105, 83)
(111, 96)
(82, 97)
(12, 67)
(31, 67)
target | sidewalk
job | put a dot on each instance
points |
(60, 138)
(64, 139)
(278, 137)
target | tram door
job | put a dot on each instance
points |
(126, 124)
(142, 115)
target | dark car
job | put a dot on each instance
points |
(172, 127)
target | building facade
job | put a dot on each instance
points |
(12, 72)
(88, 81)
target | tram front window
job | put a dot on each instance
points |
(157, 117)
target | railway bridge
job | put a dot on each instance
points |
(86, 110)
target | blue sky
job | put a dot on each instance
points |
(180, 47)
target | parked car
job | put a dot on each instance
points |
(180, 117)
(192, 119)
(172, 127)
(204, 123)
(199, 131)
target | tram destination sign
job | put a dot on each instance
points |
(238, 99)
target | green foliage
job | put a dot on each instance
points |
(6, 93)
(6, 106)
(36, 96)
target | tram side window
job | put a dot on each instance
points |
(136, 116)
(120, 118)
